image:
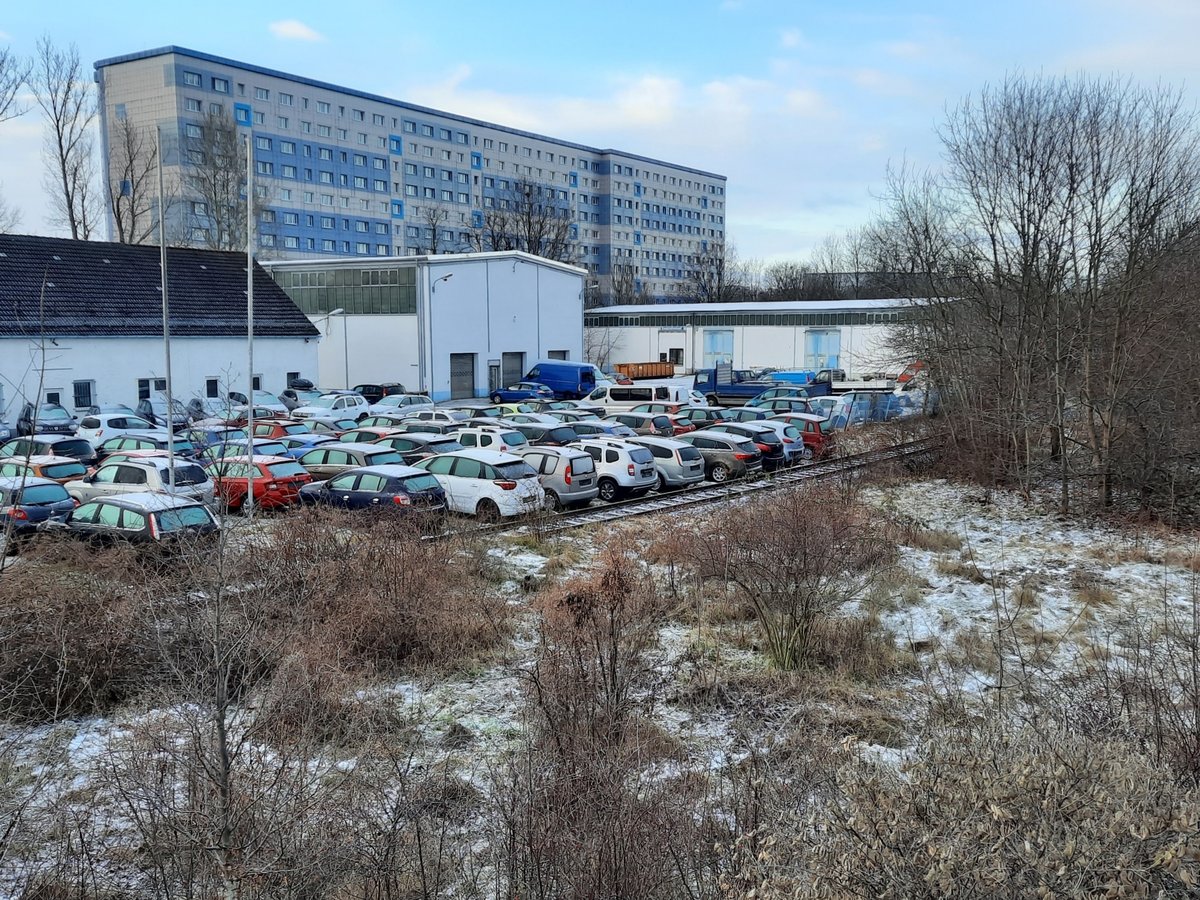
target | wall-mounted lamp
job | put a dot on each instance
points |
(434, 284)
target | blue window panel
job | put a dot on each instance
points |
(126, 187)
(242, 113)
(476, 219)
(574, 232)
(574, 179)
(395, 144)
(637, 237)
(397, 209)
(704, 246)
(704, 203)
(637, 189)
(476, 160)
(120, 111)
(637, 285)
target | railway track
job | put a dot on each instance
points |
(698, 496)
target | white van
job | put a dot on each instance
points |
(628, 396)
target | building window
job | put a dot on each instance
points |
(291, 218)
(379, 163)
(306, 127)
(343, 134)
(324, 130)
(328, 245)
(281, 121)
(376, 119)
(360, 115)
(322, 107)
(83, 393)
(380, 184)
(325, 153)
(192, 105)
(193, 131)
(326, 177)
(362, 248)
(444, 134)
(362, 137)
(262, 94)
(260, 118)
(220, 85)
(267, 240)
(264, 168)
(359, 159)
(192, 79)
(427, 130)
(410, 190)
(285, 99)
(262, 143)
(327, 221)
(147, 385)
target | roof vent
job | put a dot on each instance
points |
(204, 267)
(58, 259)
(49, 284)
(106, 262)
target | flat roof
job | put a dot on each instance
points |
(430, 259)
(379, 98)
(789, 306)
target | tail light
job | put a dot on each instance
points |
(401, 500)
(506, 485)
(743, 456)
(154, 527)
(788, 440)
(632, 469)
(765, 448)
(17, 513)
(271, 485)
(567, 474)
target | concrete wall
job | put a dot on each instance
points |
(116, 364)
(367, 350)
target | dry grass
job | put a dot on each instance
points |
(1090, 591)
(961, 568)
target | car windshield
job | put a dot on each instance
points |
(689, 454)
(189, 475)
(641, 455)
(516, 439)
(448, 446)
(562, 434)
(182, 518)
(53, 413)
(582, 465)
(418, 483)
(516, 469)
(286, 469)
(270, 448)
(43, 493)
(79, 448)
(385, 458)
(64, 470)
(307, 396)
(325, 402)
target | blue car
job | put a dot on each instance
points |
(522, 390)
(27, 503)
(393, 487)
(262, 447)
(205, 436)
(299, 444)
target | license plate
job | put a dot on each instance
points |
(646, 473)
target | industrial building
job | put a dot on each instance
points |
(854, 335)
(449, 325)
(344, 173)
(81, 324)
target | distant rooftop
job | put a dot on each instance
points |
(379, 98)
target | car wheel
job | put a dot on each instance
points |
(663, 487)
(552, 501)
(487, 511)
(807, 452)
(495, 398)
(608, 490)
(711, 399)
(719, 473)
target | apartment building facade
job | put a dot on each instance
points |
(344, 173)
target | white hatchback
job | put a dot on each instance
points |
(485, 483)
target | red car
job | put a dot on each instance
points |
(682, 425)
(618, 378)
(277, 480)
(277, 428)
(816, 431)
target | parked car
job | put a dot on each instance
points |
(522, 390)
(477, 410)
(365, 434)
(486, 484)
(644, 423)
(822, 406)
(725, 455)
(45, 418)
(700, 416)
(528, 418)
(501, 438)
(109, 446)
(27, 503)
(399, 404)
(623, 469)
(333, 425)
(294, 397)
(276, 480)
(154, 410)
(277, 428)
(425, 426)
(625, 398)
(51, 445)
(794, 448)
(101, 408)
(56, 468)
(568, 380)
(337, 405)
(567, 475)
(264, 399)
(781, 404)
(399, 488)
(659, 406)
(140, 518)
(548, 436)
(768, 441)
(816, 432)
(203, 409)
(618, 378)
(332, 459)
(299, 444)
(103, 425)
(416, 446)
(601, 428)
(771, 393)
(138, 475)
(678, 463)
(446, 415)
(374, 393)
(746, 414)
(6, 430)
(224, 449)
(202, 436)
(524, 407)
(570, 417)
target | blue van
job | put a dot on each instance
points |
(568, 380)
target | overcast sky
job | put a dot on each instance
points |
(800, 104)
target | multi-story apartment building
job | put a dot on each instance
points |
(343, 173)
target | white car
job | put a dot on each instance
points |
(485, 483)
(625, 469)
(333, 406)
(400, 405)
(99, 427)
(146, 474)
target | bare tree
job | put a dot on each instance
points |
(14, 72)
(625, 286)
(531, 217)
(133, 183)
(215, 175)
(10, 217)
(432, 218)
(713, 276)
(64, 95)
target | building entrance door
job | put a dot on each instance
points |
(462, 375)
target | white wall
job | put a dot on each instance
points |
(367, 349)
(115, 365)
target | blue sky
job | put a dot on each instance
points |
(801, 104)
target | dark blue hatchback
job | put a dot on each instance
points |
(26, 504)
(400, 488)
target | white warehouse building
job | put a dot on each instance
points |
(854, 335)
(450, 325)
(81, 324)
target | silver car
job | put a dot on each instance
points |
(567, 475)
(624, 469)
(679, 464)
(131, 476)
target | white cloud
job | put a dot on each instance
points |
(294, 30)
(791, 38)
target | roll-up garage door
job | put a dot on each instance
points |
(462, 375)
(512, 368)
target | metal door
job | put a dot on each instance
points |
(512, 368)
(462, 375)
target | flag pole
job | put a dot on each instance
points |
(166, 318)
(250, 470)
